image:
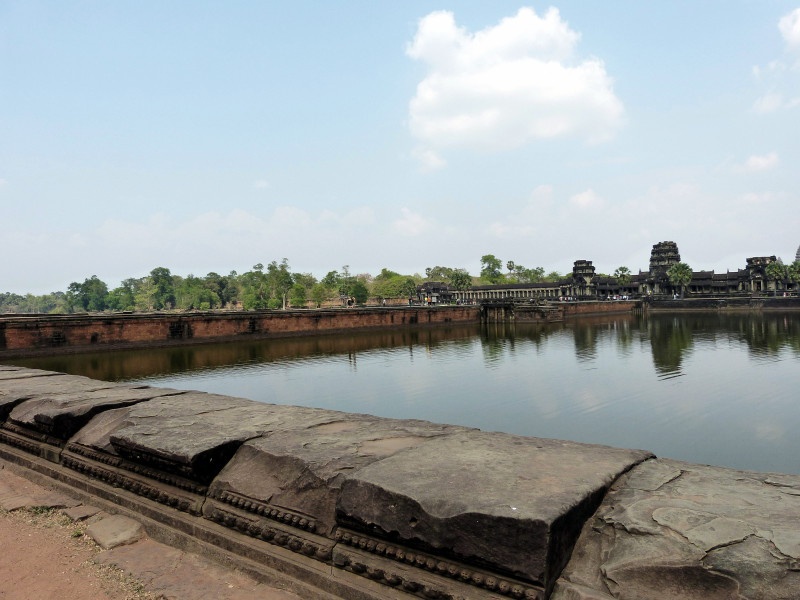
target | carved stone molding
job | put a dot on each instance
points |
(428, 563)
(264, 509)
(168, 495)
(275, 533)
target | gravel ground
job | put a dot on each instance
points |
(46, 555)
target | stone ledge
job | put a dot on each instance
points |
(362, 508)
(673, 530)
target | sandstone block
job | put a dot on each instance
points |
(673, 530)
(508, 503)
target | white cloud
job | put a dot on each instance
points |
(261, 184)
(780, 77)
(762, 163)
(428, 159)
(2, 182)
(542, 195)
(757, 198)
(587, 199)
(412, 224)
(769, 102)
(506, 85)
(789, 26)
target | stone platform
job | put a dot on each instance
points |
(361, 507)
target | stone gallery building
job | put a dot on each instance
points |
(585, 283)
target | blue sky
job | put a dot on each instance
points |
(210, 136)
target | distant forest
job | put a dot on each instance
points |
(270, 286)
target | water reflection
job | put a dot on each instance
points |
(670, 339)
(709, 388)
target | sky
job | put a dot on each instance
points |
(211, 136)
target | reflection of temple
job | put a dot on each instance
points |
(584, 283)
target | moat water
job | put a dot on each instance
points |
(710, 388)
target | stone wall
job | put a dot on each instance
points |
(366, 508)
(47, 334)
(579, 309)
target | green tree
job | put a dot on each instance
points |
(520, 274)
(320, 293)
(192, 293)
(332, 280)
(389, 284)
(254, 294)
(438, 273)
(145, 295)
(164, 288)
(679, 275)
(280, 280)
(511, 266)
(460, 279)
(793, 273)
(623, 276)
(359, 291)
(491, 268)
(776, 272)
(553, 276)
(124, 296)
(91, 295)
(298, 295)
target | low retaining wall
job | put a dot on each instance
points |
(362, 508)
(777, 303)
(583, 308)
(28, 335)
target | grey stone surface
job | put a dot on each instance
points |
(82, 512)
(195, 433)
(302, 466)
(64, 412)
(673, 530)
(510, 503)
(115, 530)
(16, 386)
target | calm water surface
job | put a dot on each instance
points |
(715, 389)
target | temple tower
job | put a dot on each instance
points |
(582, 274)
(662, 257)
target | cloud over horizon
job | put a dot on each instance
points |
(506, 85)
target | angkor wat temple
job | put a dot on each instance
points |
(585, 283)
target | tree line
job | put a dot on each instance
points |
(276, 286)
(262, 287)
(268, 286)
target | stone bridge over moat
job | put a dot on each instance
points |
(359, 507)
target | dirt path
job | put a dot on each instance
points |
(46, 556)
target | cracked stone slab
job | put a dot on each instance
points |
(301, 467)
(707, 533)
(192, 434)
(18, 386)
(509, 503)
(62, 413)
(81, 512)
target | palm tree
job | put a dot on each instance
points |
(680, 274)
(793, 272)
(623, 276)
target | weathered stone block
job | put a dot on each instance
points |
(302, 465)
(674, 530)
(63, 413)
(18, 385)
(508, 503)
